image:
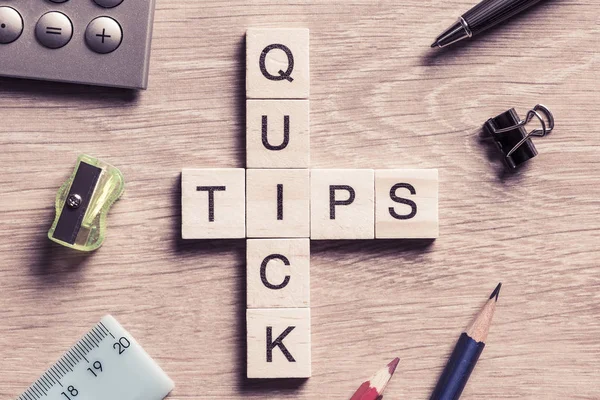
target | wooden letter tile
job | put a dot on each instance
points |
(213, 203)
(277, 134)
(277, 64)
(278, 273)
(278, 343)
(277, 203)
(406, 203)
(342, 204)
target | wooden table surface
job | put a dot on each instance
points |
(380, 98)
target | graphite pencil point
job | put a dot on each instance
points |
(496, 292)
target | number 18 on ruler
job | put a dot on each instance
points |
(106, 364)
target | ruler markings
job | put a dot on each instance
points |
(49, 380)
(98, 332)
(69, 361)
(65, 365)
(77, 347)
(107, 330)
(22, 397)
(60, 368)
(98, 335)
(93, 338)
(75, 356)
(119, 369)
(42, 387)
(56, 372)
(81, 347)
(59, 382)
(55, 375)
(36, 390)
(47, 383)
(85, 346)
(88, 342)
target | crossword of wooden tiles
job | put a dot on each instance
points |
(279, 204)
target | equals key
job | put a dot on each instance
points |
(53, 31)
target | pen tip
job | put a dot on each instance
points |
(392, 365)
(496, 292)
(435, 44)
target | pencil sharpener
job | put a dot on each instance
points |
(82, 204)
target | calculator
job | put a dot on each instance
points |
(95, 42)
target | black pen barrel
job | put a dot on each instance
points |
(491, 12)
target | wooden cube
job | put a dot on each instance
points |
(277, 63)
(278, 273)
(342, 204)
(278, 343)
(406, 203)
(277, 203)
(277, 134)
(213, 203)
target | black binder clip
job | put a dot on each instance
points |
(508, 131)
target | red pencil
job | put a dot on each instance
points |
(374, 387)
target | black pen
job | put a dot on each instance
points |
(481, 17)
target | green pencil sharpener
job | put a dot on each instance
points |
(82, 204)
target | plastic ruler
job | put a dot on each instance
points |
(106, 364)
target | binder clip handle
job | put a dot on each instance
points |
(535, 112)
(512, 139)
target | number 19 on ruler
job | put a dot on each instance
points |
(107, 363)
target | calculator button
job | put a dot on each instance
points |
(108, 3)
(11, 25)
(54, 30)
(103, 35)
(59, 1)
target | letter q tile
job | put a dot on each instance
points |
(277, 64)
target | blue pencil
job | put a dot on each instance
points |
(466, 353)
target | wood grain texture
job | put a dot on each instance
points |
(380, 98)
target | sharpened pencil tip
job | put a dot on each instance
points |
(496, 292)
(392, 365)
